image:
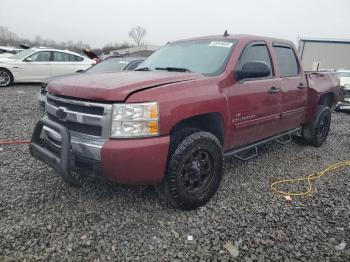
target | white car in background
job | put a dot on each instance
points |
(344, 76)
(7, 51)
(36, 64)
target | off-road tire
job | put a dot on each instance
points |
(6, 73)
(196, 152)
(316, 133)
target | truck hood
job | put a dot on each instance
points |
(114, 86)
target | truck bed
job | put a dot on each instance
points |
(321, 81)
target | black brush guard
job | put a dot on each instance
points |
(59, 162)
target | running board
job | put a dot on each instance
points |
(283, 141)
(250, 151)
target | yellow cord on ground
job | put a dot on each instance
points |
(308, 179)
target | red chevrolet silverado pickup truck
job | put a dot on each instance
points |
(172, 121)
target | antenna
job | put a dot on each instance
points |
(226, 34)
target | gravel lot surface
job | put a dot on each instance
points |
(42, 218)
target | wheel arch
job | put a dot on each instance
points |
(8, 70)
(327, 99)
(211, 122)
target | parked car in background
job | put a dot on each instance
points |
(7, 51)
(344, 76)
(172, 121)
(36, 64)
(111, 64)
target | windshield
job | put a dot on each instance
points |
(208, 57)
(109, 65)
(22, 54)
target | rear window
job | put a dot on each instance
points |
(60, 57)
(77, 58)
(65, 57)
(134, 65)
(287, 61)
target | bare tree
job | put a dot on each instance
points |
(137, 34)
(9, 38)
(38, 40)
(6, 36)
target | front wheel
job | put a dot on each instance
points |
(6, 78)
(316, 132)
(194, 170)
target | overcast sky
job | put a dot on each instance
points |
(98, 22)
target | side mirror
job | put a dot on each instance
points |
(28, 59)
(254, 69)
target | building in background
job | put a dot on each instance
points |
(329, 54)
(137, 51)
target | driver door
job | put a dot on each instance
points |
(37, 66)
(255, 103)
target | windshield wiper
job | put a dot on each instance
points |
(174, 69)
(143, 69)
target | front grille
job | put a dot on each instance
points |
(86, 118)
(77, 108)
(77, 127)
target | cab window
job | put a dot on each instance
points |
(254, 53)
(287, 61)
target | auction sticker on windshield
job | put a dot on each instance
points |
(221, 44)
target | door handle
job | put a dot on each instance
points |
(274, 90)
(301, 86)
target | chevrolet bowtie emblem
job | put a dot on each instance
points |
(61, 114)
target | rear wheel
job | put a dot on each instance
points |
(316, 132)
(6, 78)
(194, 169)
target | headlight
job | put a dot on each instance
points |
(135, 120)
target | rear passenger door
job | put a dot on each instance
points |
(255, 109)
(293, 85)
(62, 63)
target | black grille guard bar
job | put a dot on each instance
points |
(38, 150)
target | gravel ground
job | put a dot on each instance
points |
(41, 218)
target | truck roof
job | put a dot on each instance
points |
(240, 37)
